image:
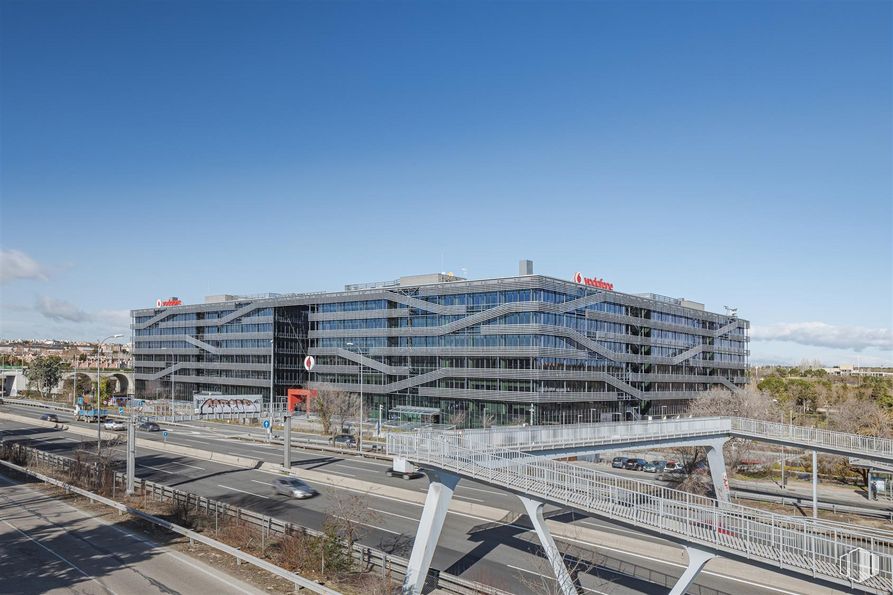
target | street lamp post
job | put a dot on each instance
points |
(360, 436)
(98, 404)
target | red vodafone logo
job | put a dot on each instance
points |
(309, 362)
(593, 282)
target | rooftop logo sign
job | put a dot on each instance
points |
(173, 301)
(593, 282)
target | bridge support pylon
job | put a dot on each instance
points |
(534, 510)
(441, 486)
(717, 463)
(696, 560)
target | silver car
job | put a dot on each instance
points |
(293, 487)
(114, 424)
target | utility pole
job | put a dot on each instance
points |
(286, 454)
(98, 405)
(360, 436)
(131, 452)
(815, 485)
(172, 390)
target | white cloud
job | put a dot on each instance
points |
(114, 318)
(820, 334)
(60, 310)
(15, 264)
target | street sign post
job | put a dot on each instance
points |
(164, 436)
(120, 411)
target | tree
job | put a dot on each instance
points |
(83, 384)
(44, 373)
(862, 416)
(334, 406)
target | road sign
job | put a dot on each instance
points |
(120, 411)
(164, 434)
(309, 362)
(266, 424)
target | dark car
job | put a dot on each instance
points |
(149, 426)
(345, 440)
(655, 466)
(50, 417)
(635, 464)
(619, 462)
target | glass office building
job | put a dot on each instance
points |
(506, 350)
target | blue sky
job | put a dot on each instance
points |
(732, 153)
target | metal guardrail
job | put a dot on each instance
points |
(370, 558)
(832, 551)
(296, 579)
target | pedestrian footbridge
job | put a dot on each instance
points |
(567, 440)
(835, 552)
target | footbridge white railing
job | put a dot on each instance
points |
(840, 553)
(580, 436)
(845, 444)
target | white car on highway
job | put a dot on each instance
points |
(114, 424)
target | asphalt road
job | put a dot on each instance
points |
(51, 547)
(501, 554)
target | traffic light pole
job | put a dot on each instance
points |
(286, 451)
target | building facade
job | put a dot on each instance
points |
(499, 350)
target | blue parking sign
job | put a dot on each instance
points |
(164, 434)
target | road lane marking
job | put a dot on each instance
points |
(185, 465)
(156, 469)
(408, 518)
(552, 578)
(243, 491)
(78, 568)
(468, 498)
(351, 467)
(368, 525)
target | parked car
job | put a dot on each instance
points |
(619, 462)
(50, 417)
(114, 424)
(671, 465)
(676, 474)
(635, 464)
(345, 440)
(655, 466)
(149, 426)
(293, 487)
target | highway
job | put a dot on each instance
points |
(502, 554)
(51, 547)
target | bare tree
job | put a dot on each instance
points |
(458, 419)
(749, 402)
(487, 420)
(861, 416)
(334, 406)
(347, 514)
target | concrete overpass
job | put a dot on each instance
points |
(14, 380)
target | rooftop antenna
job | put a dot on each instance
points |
(730, 311)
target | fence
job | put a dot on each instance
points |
(834, 551)
(369, 558)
